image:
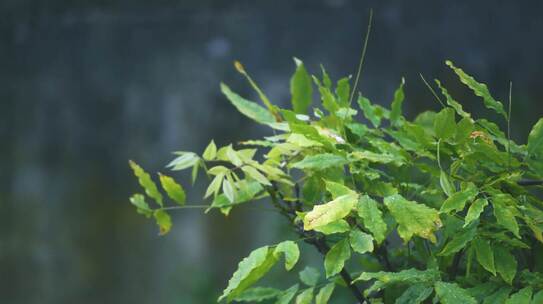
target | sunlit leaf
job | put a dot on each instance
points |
(535, 148)
(173, 189)
(325, 293)
(320, 162)
(361, 242)
(210, 152)
(163, 221)
(458, 200)
(330, 212)
(146, 182)
(413, 218)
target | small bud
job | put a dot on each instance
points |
(239, 67)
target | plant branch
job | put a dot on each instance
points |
(310, 237)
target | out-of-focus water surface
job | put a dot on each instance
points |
(87, 85)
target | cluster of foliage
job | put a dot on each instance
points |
(434, 210)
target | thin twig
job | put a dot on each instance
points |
(432, 90)
(361, 63)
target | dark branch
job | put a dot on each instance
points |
(289, 211)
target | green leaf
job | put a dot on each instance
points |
(249, 271)
(538, 297)
(415, 294)
(475, 210)
(233, 156)
(506, 264)
(256, 175)
(361, 242)
(480, 89)
(459, 241)
(372, 218)
(498, 297)
(458, 200)
(142, 207)
(183, 161)
(173, 189)
(258, 294)
(247, 191)
(301, 88)
(288, 295)
(413, 218)
(215, 185)
(370, 111)
(446, 184)
(523, 296)
(485, 254)
(248, 108)
(338, 226)
(305, 297)
(163, 221)
(444, 124)
(336, 257)
(325, 293)
(337, 189)
(146, 182)
(408, 276)
(342, 91)
(330, 212)
(535, 148)
(505, 213)
(228, 190)
(291, 252)
(210, 152)
(453, 103)
(309, 276)
(451, 293)
(396, 106)
(320, 162)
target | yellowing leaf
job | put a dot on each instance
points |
(330, 212)
(413, 218)
(337, 189)
(336, 257)
(146, 182)
(210, 152)
(163, 221)
(173, 189)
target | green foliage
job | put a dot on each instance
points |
(431, 210)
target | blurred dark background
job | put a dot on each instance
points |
(87, 85)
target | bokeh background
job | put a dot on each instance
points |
(87, 85)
